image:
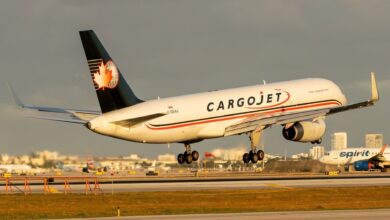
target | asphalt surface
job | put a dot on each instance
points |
(377, 214)
(208, 185)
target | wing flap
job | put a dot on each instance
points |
(251, 124)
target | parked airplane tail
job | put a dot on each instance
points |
(112, 90)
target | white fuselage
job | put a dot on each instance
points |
(351, 155)
(206, 115)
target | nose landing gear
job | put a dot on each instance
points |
(188, 156)
(319, 141)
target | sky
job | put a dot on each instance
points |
(175, 47)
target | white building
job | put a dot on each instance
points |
(167, 159)
(299, 156)
(317, 152)
(339, 141)
(230, 154)
(48, 155)
(374, 140)
(4, 158)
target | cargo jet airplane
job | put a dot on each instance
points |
(300, 106)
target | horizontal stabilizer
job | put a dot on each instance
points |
(137, 120)
(76, 121)
(76, 116)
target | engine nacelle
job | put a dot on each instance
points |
(305, 131)
(364, 165)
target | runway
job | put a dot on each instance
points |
(108, 187)
(377, 214)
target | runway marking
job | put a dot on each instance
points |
(53, 190)
(279, 186)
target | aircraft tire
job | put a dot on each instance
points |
(254, 158)
(260, 154)
(188, 158)
(195, 155)
(245, 158)
(180, 159)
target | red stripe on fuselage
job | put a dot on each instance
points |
(243, 116)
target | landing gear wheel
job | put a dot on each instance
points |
(254, 158)
(260, 154)
(188, 158)
(180, 159)
(195, 155)
(245, 158)
(319, 141)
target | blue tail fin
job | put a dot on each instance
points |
(111, 88)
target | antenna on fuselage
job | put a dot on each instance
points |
(264, 82)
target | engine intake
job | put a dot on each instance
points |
(305, 131)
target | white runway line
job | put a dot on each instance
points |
(377, 214)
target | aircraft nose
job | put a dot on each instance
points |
(343, 100)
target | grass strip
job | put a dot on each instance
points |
(19, 206)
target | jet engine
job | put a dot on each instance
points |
(305, 131)
(364, 165)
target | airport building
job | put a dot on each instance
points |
(339, 141)
(232, 154)
(374, 140)
(317, 152)
(300, 156)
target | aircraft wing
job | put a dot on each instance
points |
(72, 115)
(253, 123)
(379, 156)
(260, 121)
(374, 98)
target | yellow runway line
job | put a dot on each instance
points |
(279, 186)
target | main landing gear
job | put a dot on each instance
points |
(188, 156)
(254, 155)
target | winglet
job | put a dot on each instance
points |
(15, 97)
(374, 88)
(383, 149)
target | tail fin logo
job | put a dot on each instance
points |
(107, 76)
